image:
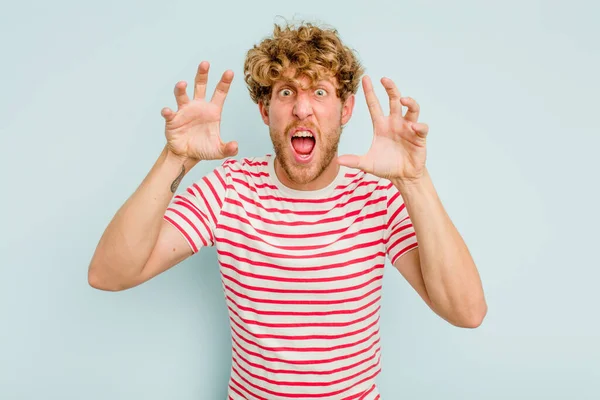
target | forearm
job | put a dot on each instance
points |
(449, 272)
(131, 235)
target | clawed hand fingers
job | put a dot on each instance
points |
(420, 129)
(396, 101)
(222, 88)
(229, 149)
(394, 95)
(201, 80)
(180, 94)
(372, 101)
(350, 160)
(167, 114)
(412, 114)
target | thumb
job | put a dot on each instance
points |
(349, 160)
(167, 114)
(229, 149)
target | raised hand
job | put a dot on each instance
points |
(398, 149)
(193, 132)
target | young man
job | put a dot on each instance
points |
(301, 236)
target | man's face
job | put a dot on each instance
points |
(305, 124)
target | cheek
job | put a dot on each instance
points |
(329, 116)
(278, 117)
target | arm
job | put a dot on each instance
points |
(138, 244)
(442, 271)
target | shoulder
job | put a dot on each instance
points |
(374, 190)
(245, 171)
(245, 164)
(356, 179)
(254, 164)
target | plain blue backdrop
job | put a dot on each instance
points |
(509, 89)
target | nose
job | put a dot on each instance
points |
(302, 107)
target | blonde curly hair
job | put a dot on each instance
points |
(310, 51)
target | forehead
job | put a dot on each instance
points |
(304, 81)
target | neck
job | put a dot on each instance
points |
(322, 181)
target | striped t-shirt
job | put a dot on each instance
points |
(301, 273)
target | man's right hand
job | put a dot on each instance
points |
(193, 132)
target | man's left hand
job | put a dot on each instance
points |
(398, 149)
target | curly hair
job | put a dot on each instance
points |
(310, 51)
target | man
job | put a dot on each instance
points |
(301, 236)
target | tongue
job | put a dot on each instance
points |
(303, 145)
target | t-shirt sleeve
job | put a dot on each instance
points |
(195, 211)
(400, 235)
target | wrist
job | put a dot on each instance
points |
(176, 167)
(406, 187)
(172, 158)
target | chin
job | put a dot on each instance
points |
(300, 173)
(302, 169)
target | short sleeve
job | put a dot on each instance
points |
(195, 211)
(400, 235)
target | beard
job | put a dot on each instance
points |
(324, 151)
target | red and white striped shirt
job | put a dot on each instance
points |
(302, 274)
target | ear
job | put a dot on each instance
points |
(347, 109)
(264, 112)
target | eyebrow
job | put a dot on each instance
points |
(295, 82)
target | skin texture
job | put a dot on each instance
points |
(441, 269)
(294, 104)
(138, 245)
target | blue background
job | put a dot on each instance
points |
(509, 89)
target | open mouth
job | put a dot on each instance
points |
(303, 144)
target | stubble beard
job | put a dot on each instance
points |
(305, 173)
